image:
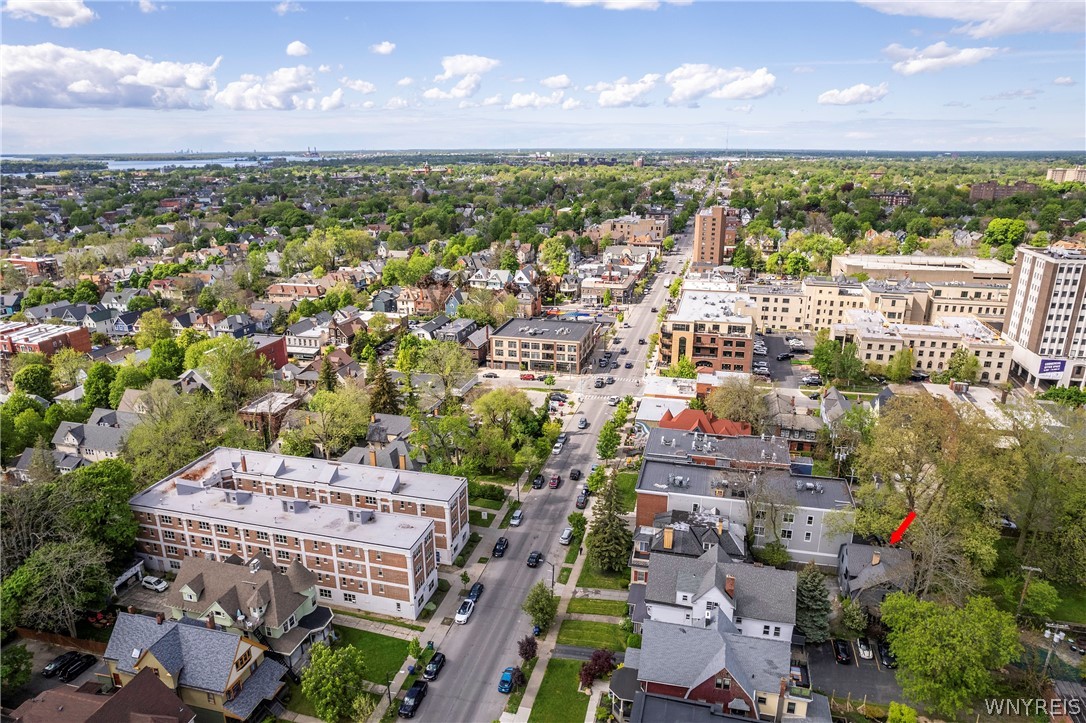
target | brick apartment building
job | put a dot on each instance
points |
(710, 329)
(46, 266)
(715, 232)
(993, 191)
(17, 337)
(544, 345)
(373, 536)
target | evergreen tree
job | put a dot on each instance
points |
(384, 397)
(43, 468)
(813, 605)
(609, 538)
(326, 378)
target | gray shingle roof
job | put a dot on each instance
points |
(680, 655)
(263, 684)
(203, 658)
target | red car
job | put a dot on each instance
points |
(556, 481)
(528, 377)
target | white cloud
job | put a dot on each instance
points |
(457, 65)
(333, 101)
(621, 4)
(369, 104)
(691, 81)
(992, 18)
(803, 69)
(146, 6)
(383, 48)
(287, 7)
(324, 69)
(277, 90)
(406, 81)
(857, 94)
(465, 88)
(557, 82)
(955, 104)
(1064, 80)
(362, 86)
(60, 13)
(492, 100)
(571, 104)
(746, 108)
(622, 92)
(396, 103)
(535, 100)
(51, 76)
(297, 49)
(935, 57)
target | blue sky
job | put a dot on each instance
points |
(87, 77)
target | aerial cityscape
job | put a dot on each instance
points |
(631, 361)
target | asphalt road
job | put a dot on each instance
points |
(480, 650)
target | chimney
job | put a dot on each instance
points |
(243, 463)
(729, 586)
(403, 461)
(131, 609)
(159, 618)
(210, 624)
(720, 527)
(875, 557)
(373, 457)
(779, 715)
(669, 538)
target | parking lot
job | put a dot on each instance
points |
(859, 678)
(784, 372)
(44, 653)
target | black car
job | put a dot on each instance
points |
(75, 668)
(434, 666)
(58, 663)
(413, 699)
(535, 558)
(842, 652)
(575, 474)
(885, 656)
(629, 365)
(785, 355)
(623, 350)
(476, 592)
(490, 375)
(558, 396)
(582, 501)
(642, 342)
(500, 547)
(537, 483)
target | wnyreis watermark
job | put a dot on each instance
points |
(1034, 706)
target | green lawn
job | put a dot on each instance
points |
(374, 617)
(592, 606)
(465, 554)
(383, 654)
(559, 700)
(513, 704)
(627, 490)
(593, 635)
(573, 551)
(563, 575)
(475, 517)
(298, 702)
(489, 504)
(1072, 607)
(593, 577)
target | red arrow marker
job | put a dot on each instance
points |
(900, 531)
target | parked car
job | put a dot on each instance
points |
(534, 558)
(528, 377)
(812, 379)
(582, 501)
(563, 437)
(537, 483)
(413, 699)
(434, 666)
(885, 656)
(154, 583)
(505, 684)
(654, 309)
(842, 652)
(58, 663)
(566, 537)
(559, 397)
(642, 342)
(476, 592)
(557, 448)
(500, 547)
(75, 668)
(517, 518)
(610, 380)
(785, 355)
(759, 352)
(616, 340)
(582, 423)
(556, 481)
(490, 375)
(467, 607)
(863, 647)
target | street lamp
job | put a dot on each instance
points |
(388, 687)
(552, 574)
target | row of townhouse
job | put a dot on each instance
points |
(373, 536)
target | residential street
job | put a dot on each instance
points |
(467, 689)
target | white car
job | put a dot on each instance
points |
(154, 583)
(864, 647)
(517, 518)
(613, 401)
(567, 536)
(467, 607)
(556, 448)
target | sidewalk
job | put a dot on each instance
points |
(393, 631)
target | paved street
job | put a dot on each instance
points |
(478, 651)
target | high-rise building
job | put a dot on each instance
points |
(715, 231)
(1046, 316)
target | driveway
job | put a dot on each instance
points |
(142, 599)
(860, 678)
(43, 653)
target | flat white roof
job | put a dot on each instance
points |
(699, 305)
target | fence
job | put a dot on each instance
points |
(89, 646)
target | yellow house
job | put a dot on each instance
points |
(220, 675)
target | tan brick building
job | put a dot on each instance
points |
(715, 230)
(544, 345)
(711, 329)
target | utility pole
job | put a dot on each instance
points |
(1054, 633)
(1022, 598)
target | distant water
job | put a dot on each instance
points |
(230, 161)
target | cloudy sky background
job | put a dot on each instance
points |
(150, 76)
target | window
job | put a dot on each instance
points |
(738, 620)
(806, 536)
(401, 504)
(422, 509)
(377, 556)
(279, 539)
(765, 630)
(205, 526)
(380, 572)
(224, 544)
(790, 708)
(789, 518)
(371, 500)
(282, 555)
(349, 597)
(222, 529)
(810, 520)
(169, 535)
(165, 519)
(171, 550)
(205, 541)
(210, 697)
(262, 536)
(786, 534)
(243, 660)
(776, 631)
(761, 700)
(327, 594)
(759, 531)
(686, 598)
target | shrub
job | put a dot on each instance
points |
(443, 585)
(633, 640)
(486, 491)
(459, 561)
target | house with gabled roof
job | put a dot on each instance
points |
(99, 438)
(867, 574)
(220, 675)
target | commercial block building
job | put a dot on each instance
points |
(373, 536)
(1046, 316)
(922, 268)
(545, 345)
(711, 329)
(1063, 175)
